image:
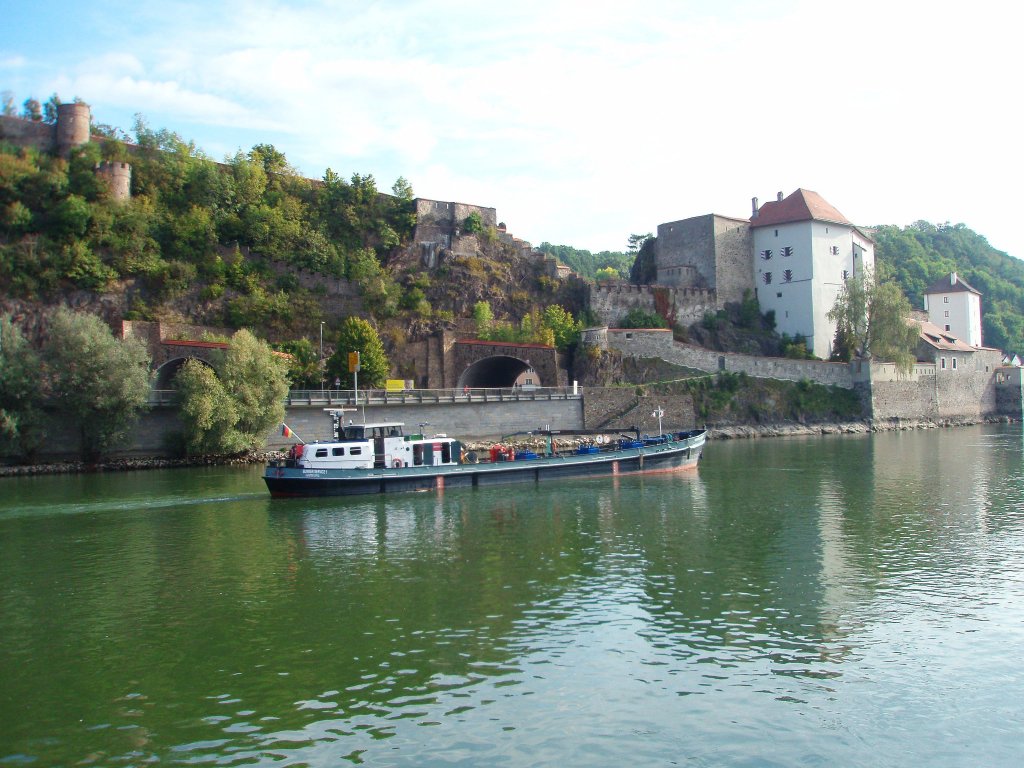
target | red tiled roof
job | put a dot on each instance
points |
(934, 336)
(802, 205)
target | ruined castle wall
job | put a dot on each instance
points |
(683, 306)
(27, 133)
(659, 343)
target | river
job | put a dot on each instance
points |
(840, 600)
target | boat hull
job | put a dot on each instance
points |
(676, 455)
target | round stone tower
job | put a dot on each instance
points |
(72, 127)
(118, 177)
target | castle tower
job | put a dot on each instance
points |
(118, 177)
(72, 127)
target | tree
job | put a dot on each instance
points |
(483, 317)
(233, 407)
(357, 335)
(32, 110)
(872, 321)
(50, 109)
(645, 268)
(207, 411)
(304, 366)
(21, 402)
(607, 273)
(256, 378)
(97, 383)
(563, 325)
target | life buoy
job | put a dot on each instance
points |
(399, 463)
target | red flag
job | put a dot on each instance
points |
(286, 431)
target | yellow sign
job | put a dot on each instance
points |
(394, 385)
(353, 362)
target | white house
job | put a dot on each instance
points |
(955, 307)
(803, 251)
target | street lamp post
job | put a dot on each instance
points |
(321, 354)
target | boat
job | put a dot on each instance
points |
(381, 458)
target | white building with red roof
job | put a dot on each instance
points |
(803, 251)
(955, 306)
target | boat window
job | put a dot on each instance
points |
(355, 450)
(353, 433)
(446, 453)
(321, 453)
(338, 450)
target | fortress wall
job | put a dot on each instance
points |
(618, 408)
(686, 243)
(659, 343)
(611, 301)
(734, 263)
(1010, 392)
(27, 133)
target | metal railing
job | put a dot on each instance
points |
(347, 397)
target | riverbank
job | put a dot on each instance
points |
(715, 432)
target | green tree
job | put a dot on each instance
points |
(645, 269)
(563, 325)
(641, 318)
(21, 403)
(233, 407)
(207, 412)
(304, 365)
(473, 223)
(872, 320)
(96, 382)
(357, 335)
(483, 317)
(256, 378)
(607, 273)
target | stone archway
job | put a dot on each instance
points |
(164, 375)
(496, 371)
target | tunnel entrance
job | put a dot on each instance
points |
(494, 372)
(165, 374)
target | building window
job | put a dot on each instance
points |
(766, 254)
(846, 275)
(787, 275)
(767, 277)
(943, 364)
(945, 299)
(787, 251)
(954, 363)
(776, 233)
(834, 250)
(947, 326)
(778, 295)
(946, 313)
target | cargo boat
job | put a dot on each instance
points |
(381, 458)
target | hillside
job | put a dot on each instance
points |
(243, 243)
(918, 255)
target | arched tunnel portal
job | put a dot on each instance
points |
(164, 377)
(496, 371)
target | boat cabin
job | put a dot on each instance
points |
(376, 446)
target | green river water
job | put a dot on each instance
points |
(824, 601)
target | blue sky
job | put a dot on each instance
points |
(581, 122)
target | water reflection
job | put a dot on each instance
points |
(790, 588)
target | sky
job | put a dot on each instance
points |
(580, 122)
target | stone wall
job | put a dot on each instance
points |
(27, 133)
(659, 343)
(1010, 392)
(610, 301)
(619, 408)
(709, 251)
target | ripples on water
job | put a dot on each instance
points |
(841, 601)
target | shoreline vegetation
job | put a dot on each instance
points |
(715, 432)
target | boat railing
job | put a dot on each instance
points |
(347, 397)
